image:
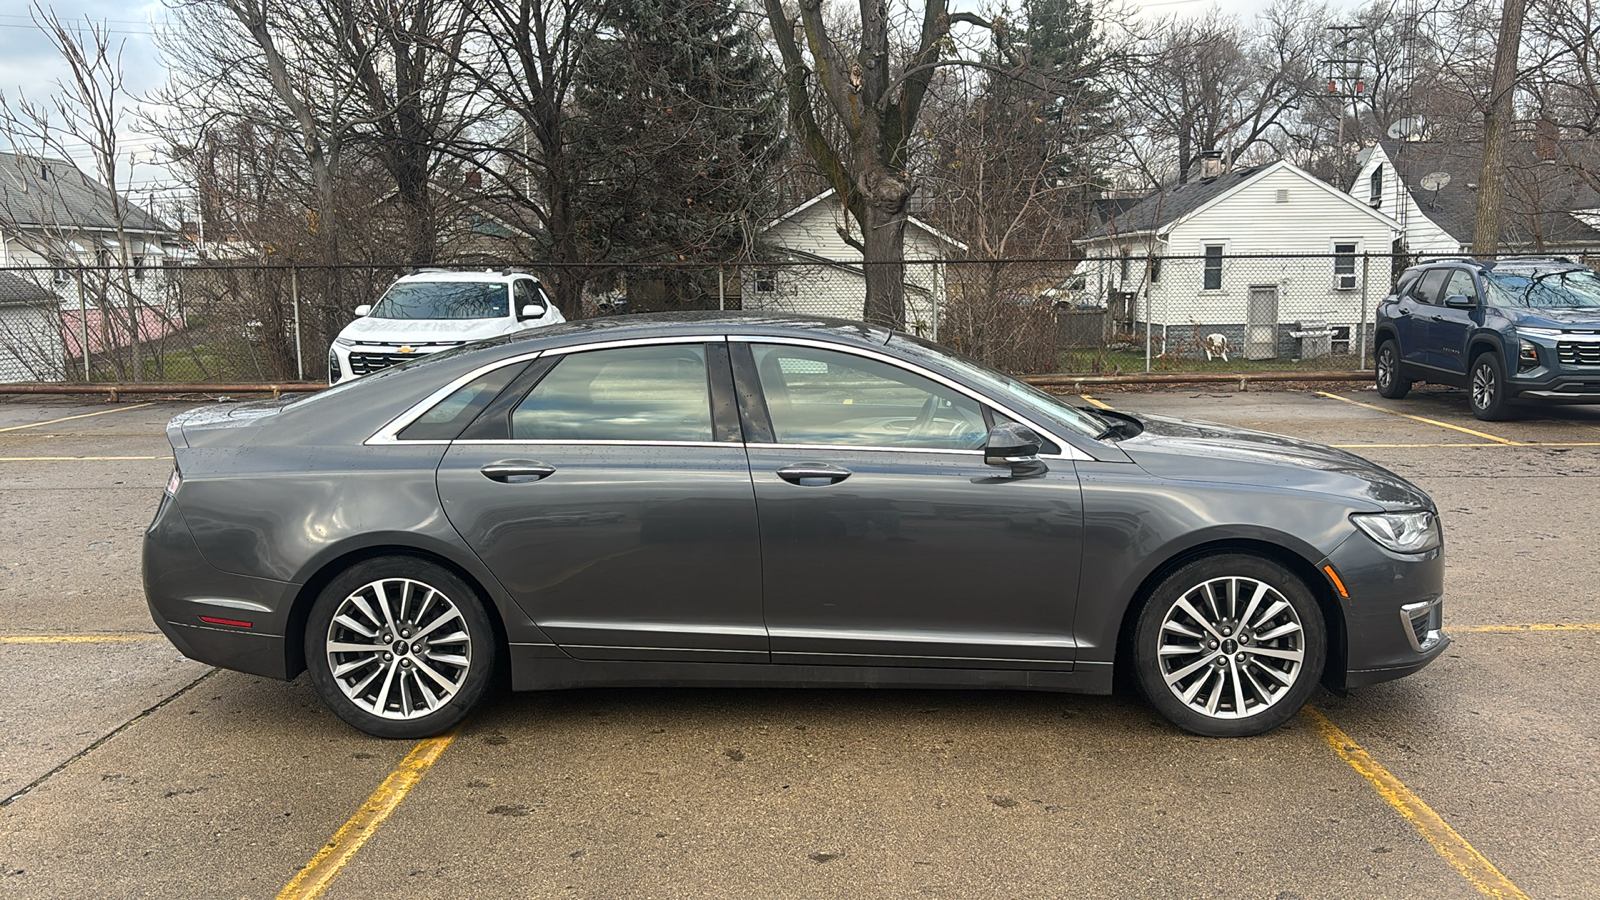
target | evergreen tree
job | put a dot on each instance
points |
(679, 123)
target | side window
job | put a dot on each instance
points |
(445, 420)
(622, 394)
(1461, 283)
(1211, 278)
(827, 397)
(1429, 286)
(524, 294)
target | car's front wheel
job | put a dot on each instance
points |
(399, 647)
(1488, 388)
(1230, 645)
(1390, 384)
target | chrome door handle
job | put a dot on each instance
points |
(813, 474)
(517, 471)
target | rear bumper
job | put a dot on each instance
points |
(229, 621)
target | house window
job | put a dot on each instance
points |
(766, 281)
(1344, 267)
(1155, 269)
(62, 274)
(138, 268)
(1375, 187)
(1213, 269)
(1127, 264)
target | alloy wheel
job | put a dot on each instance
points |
(1231, 647)
(1484, 386)
(398, 648)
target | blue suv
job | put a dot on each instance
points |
(1522, 329)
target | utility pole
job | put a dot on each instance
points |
(1347, 84)
(1496, 123)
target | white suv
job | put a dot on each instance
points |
(433, 310)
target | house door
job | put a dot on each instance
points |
(1261, 323)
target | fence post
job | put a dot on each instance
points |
(722, 297)
(939, 284)
(294, 296)
(83, 327)
(1361, 327)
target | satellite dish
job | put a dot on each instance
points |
(1433, 181)
(1407, 128)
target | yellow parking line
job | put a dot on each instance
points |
(74, 458)
(1516, 629)
(1095, 402)
(1487, 437)
(77, 638)
(102, 412)
(324, 867)
(1462, 856)
(1532, 444)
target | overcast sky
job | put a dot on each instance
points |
(30, 66)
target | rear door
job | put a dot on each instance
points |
(608, 491)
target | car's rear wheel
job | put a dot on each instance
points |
(399, 647)
(1390, 384)
(1230, 645)
(1487, 387)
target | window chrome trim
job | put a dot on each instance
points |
(389, 434)
(801, 448)
(590, 443)
(1068, 451)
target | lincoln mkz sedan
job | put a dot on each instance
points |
(749, 500)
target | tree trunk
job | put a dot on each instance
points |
(882, 216)
(1496, 122)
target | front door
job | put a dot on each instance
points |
(1261, 323)
(613, 501)
(885, 539)
(1450, 326)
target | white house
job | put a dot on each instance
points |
(31, 346)
(1551, 204)
(1266, 262)
(819, 273)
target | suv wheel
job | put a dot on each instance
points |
(1488, 387)
(1390, 384)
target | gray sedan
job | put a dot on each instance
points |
(742, 500)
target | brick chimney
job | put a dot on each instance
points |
(1211, 163)
(1545, 137)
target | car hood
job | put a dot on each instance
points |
(1559, 318)
(400, 331)
(1182, 450)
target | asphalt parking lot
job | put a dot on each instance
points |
(128, 771)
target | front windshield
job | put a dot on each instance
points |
(1006, 386)
(1550, 289)
(443, 300)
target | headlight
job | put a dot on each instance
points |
(1538, 332)
(1402, 532)
(344, 341)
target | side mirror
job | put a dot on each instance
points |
(363, 309)
(1014, 446)
(532, 311)
(1460, 301)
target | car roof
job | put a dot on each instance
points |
(446, 275)
(644, 326)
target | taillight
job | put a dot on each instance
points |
(174, 482)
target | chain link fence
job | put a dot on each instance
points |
(240, 323)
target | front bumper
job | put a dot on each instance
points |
(1394, 614)
(230, 621)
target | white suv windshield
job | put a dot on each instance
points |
(1558, 289)
(444, 300)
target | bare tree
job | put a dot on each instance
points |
(873, 85)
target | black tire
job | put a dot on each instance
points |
(430, 660)
(1275, 677)
(1387, 367)
(1486, 388)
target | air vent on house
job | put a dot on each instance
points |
(1283, 195)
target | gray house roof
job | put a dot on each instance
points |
(1541, 194)
(18, 291)
(52, 193)
(1167, 206)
